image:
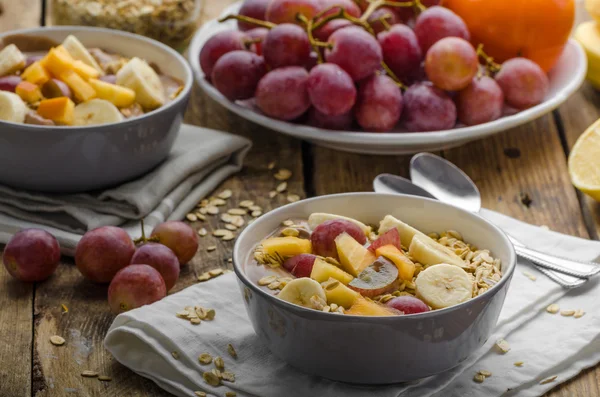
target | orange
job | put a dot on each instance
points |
(535, 29)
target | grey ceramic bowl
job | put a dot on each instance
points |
(375, 350)
(76, 159)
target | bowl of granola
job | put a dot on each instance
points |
(86, 108)
(373, 288)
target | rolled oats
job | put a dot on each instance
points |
(578, 313)
(199, 394)
(519, 364)
(256, 214)
(553, 308)
(202, 232)
(292, 198)
(231, 227)
(218, 361)
(204, 276)
(290, 232)
(104, 378)
(503, 346)
(246, 204)
(175, 355)
(272, 194)
(228, 376)
(211, 378)
(57, 340)
(211, 248)
(237, 211)
(282, 187)
(548, 380)
(191, 217)
(230, 394)
(231, 351)
(89, 374)
(485, 373)
(205, 358)
(479, 378)
(225, 194)
(283, 174)
(567, 313)
(212, 210)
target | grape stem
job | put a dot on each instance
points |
(393, 76)
(384, 21)
(317, 23)
(249, 42)
(143, 239)
(491, 67)
(254, 21)
(374, 5)
(308, 24)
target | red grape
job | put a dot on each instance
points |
(179, 237)
(480, 102)
(355, 51)
(523, 82)
(323, 237)
(161, 258)
(343, 122)
(135, 286)
(257, 33)
(256, 9)
(300, 265)
(437, 22)
(451, 63)
(31, 255)
(9, 83)
(283, 93)
(219, 45)
(407, 14)
(401, 51)
(109, 78)
(32, 59)
(55, 88)
(324, 32)
(348, 5)
(237, 73)
(408, 304)
(286, 45)
(102, 252)
(383, 12)
(331, 90)
(313, 60)
(391, 237)
(427, 108)
(379, 104)
(285, 11)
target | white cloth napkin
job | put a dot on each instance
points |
(548, 344)
(199, 161)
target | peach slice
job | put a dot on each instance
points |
(353, 256)
(406, 267)
(323, 271)
(364, 307)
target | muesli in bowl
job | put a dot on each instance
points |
(340, 265)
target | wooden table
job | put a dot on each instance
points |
(525, 161)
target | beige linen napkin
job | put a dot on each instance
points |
(548, 344)
(199, 161)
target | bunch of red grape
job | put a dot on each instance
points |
(137, 275)
(380, 64)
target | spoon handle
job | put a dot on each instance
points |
(562, 265)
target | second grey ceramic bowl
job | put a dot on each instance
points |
(375, 350)
(76, 159)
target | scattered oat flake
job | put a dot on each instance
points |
(290, 232)
(205, 358)
(218, 202)
(567, 313)
(282, 187)
(65, 308)
(530, 276)
(191, 217)
(479, 378)
(195, 321)
(230, 394)
(57, 340)
(182, 314)
(231, 351)
(228, 376)
(548, 380)
(256, 213)
(215, 272)
(218, 361)
(89, 374)
(228, 237)
(200, 216)
(225, 194)
(220, 232)
(246, 204)
(104, 378)
(204, 277)
(485, 373)
(237, 211)
(212, 210)
(202, 232)
(267, 280)
(292, 198)
(578, 313)
(503, 346)
(210, 314)
(272, 193)
(283, 174)
(211, 248)
(519, 364)
(211, 378)
(231, 227)
(199, 394)
(175, 355)
(271, 165)
(255, 208)
(288, 222)
(553, 308)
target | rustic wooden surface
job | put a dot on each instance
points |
(529, 160)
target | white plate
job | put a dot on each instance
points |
(566, 77)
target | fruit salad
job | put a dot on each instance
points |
(340, 265)
(67, 84)
(379, 66)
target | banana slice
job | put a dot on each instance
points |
(11, 60)
(140, 77)
(406, 232)
(443, 285)
(429, 252)
(300, 290)
(96, 111)
(79, 52)
(317, 218)
(12, 107)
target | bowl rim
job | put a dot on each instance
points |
(183, 95)
(352, 318)
(404, 139)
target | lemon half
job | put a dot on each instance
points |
(584, 162)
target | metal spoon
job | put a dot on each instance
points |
(471, 201)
